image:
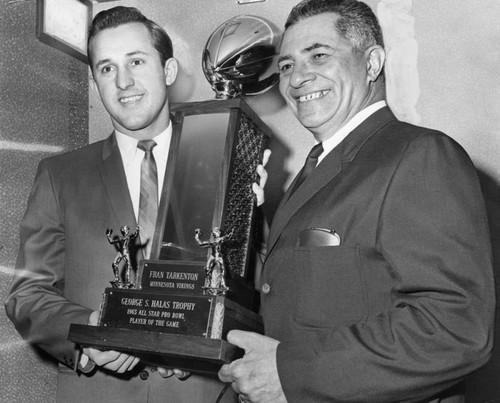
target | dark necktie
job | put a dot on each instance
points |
(148, 202)
(311, 162)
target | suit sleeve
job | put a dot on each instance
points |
(36, 304)
(433, 233)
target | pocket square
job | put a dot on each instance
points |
(314, 237)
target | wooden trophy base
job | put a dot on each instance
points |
(190, 353)
(168, 330)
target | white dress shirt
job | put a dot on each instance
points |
(332, 142)
(132, 158)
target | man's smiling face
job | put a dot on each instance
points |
(131, 81)
(322, 78)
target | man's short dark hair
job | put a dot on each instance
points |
(116, 16)
(356, 23)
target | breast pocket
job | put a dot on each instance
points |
(332, 292)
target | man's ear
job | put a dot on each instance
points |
(374, 62)
(93, 84)
(171, 68)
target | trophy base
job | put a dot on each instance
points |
(190, 353)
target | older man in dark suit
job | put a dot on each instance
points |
(377, 285)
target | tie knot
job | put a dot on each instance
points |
(315, 151)
(146, 145)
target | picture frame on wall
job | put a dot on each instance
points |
(64, 25)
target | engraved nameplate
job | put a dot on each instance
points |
(156, 311)
(174, 277)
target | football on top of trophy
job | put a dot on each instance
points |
(238, 57)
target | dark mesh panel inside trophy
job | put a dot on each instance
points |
(238, 212)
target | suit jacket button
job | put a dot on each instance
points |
(266, 288)
(144, 375)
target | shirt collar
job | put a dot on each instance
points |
(332, 142)
(128, 145)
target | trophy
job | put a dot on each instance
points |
(176, 309)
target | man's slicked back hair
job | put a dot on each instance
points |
(116, 16)
(356, 23)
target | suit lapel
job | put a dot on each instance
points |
(325, 172)
(328, 169)
(115, 182)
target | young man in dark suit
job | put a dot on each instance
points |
(377, 285)
(65, 260)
